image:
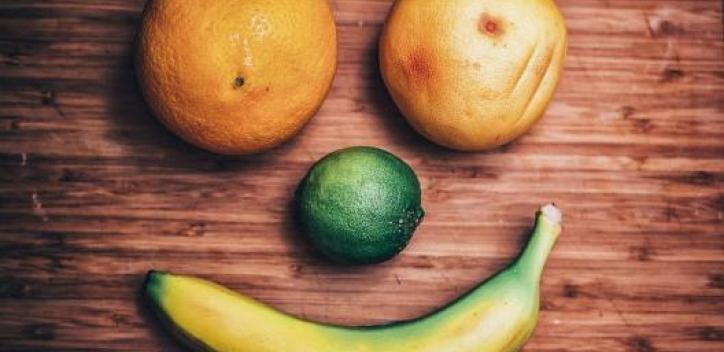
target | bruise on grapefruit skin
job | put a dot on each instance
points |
(418, 66)
(491, 26)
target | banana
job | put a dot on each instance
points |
(497, 316)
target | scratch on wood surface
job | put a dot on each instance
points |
(38, 209)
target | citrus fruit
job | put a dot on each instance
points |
(360, 205)
(236, 76)
(473, 74)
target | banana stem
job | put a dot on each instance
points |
(545, 234)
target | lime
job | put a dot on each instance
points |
(360, 205)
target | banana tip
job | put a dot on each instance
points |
(152, 276)
(552, 213)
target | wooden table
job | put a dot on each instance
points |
(94, 192)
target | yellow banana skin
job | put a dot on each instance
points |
(497, 316)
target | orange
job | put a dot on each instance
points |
(236, 76)
(473, 74)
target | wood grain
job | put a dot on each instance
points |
(93, 192)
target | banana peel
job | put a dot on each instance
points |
(499, 315)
